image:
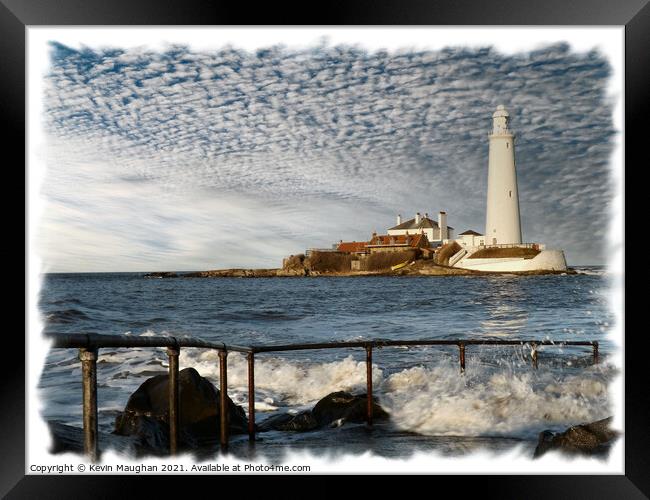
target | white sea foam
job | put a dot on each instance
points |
(438, 401)
(293, 383)
(591, 271)
(434, 401)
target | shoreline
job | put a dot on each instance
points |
(418, 269)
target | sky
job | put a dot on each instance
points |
(186, 158)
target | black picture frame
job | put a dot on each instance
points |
(16, 15)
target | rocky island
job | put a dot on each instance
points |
(422, 246)
(412, 262)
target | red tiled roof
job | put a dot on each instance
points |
(413, 240)
(352, 246)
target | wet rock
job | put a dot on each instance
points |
(161, 275)
(301, 422)
(234, 273)
(146, 415)
(150, 433)
(587, 439)
(70, 439)
(333, 410)
(343, 405)
(292, 272)
(65, 438)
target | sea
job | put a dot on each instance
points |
(501, 401)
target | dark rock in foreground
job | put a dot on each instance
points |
(70, 439)
(333, 410)
(586, 439)
(146, 415)
(342, 405)
(301, 422)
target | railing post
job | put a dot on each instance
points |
(461, 352)
(594, 346)
(251, 396)
(533, 356)
(88, 357)
(223, 399)
(174, 416)
(369, 384)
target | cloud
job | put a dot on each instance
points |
(254, 145)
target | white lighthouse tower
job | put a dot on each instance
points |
(502, 225)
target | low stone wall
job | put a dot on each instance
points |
(546, 260)
(328, 262)
(445, 252)
(500, 253)
(384, 260)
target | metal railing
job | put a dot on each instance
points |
(508, 131)
(89, 344)
(510, 245)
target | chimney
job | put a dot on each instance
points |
(399, 219)
(417, 218)
(426, 215)
(442, 224)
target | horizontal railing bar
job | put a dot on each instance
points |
(93, 340)
(388, 343)
(86, 340)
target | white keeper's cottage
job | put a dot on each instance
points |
(437, 232)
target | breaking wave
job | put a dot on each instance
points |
(591, 271)
(502, 400)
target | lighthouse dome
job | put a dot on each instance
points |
(501, 111)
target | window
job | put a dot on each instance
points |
(507, 145)
(510, 194)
